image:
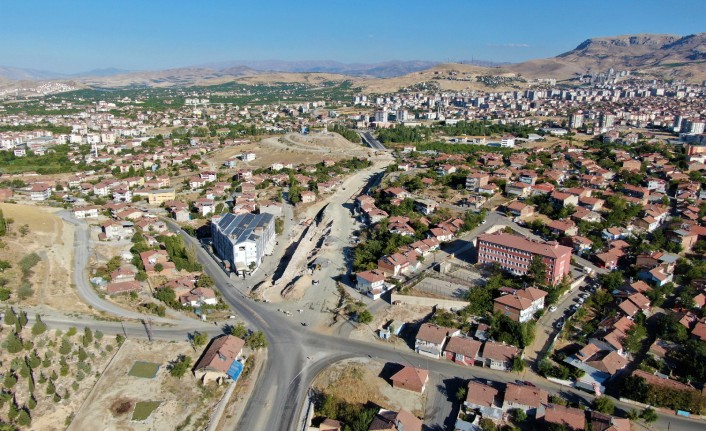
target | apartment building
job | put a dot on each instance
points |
(243, 240)
(515, 253)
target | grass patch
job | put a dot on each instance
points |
(146, 370)
(143, 409)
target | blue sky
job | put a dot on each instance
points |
(79, 35)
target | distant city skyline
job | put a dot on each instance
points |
(76, 36)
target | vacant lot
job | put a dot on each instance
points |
(121, 401)
(52, 240)
(293, 148)
(358, 381)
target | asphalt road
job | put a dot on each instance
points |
(370, 140)
(296, 355)
(83, 286)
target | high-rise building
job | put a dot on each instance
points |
(381, 116)
(606, 121)
(575, 121)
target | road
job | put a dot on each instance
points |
(84, 288)
(371, 141)
(296, 355)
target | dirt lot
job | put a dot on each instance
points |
(52, 240)
(358, 381)
(407, 314)
(293, 148)
(184, 402)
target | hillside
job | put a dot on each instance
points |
(654, 55)
(659, 56)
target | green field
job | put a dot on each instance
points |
(143, 409)
(146, 370)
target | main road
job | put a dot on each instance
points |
(295, 355)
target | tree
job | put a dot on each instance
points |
(65, 347)
(256, 340)
(10, 317)
(461, 393)
(4, 265)
(10, 380)
(24, 230)
(23, 418)
(518, 364)
(537, 270)
(13, 343)
(200, 338)
(51, 389)
(22, 319)
(239, 331)
(205, 281)
(488, 425)
(119, 339)
(39, 327)
(604, 405)
(180, 367)
(158, 267)
(82, 355)
(649, 415)
(87, 338)
(365, 317)
(3, 224)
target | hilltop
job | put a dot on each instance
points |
(661, 56)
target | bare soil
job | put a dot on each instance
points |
(185, 402)
(52, 240)
(358, 381)
(292, 148)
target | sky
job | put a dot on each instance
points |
(71, 36)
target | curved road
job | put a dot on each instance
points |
(295, 355)
(86, 291)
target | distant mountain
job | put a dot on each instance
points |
(663, 56)
(660, 56)
(22, 74)
(109, 71)
(379, 70)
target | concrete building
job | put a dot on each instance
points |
(243, 240)
(515, 253)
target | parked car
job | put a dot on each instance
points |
(552, 308)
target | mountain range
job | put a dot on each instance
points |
(660, 56)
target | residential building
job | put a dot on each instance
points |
(430, 339)
(372, 283)
(411, 378)
(387, 420)
(524, 397)
(570, 418)
(219, 361)
(521, 305)
(462, 350)
(243, 240)
(484, 399)
(499, 356)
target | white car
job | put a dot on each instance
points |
(552, 308)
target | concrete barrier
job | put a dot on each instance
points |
(447, 304)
